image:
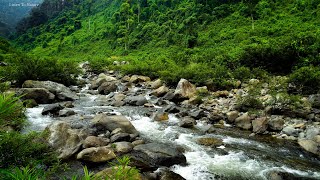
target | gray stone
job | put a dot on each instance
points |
(104, 122)
(156, 84)
(244, 122)
(260, 125)
(40, 95)
(309, 146)
(136, 100)
(184, 90)
(291, 131)
(64, 140)
(154, 155)
(311, 132)
(187, 122)
(120, 137)
(107, 87)
(52, 109)
(96, 154)
(232, 115)
(93, 141)
(59, 90)
(66, 112)
(122, 147)
(160, 91)
(276, 124)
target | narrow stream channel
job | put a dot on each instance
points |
(240, 158)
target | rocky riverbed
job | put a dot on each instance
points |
(186, 132)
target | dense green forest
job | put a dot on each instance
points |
(212, 42)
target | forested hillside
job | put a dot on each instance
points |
(199, 40)
(12, 11)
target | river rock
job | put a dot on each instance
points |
(311, 132)
(104, 122)
(66, 112)
(122, 147)
(167, 174)
(276, 123)
(184, 90)
(102, 78)
(160, 91)
(52, 109)
(154, 155)
(260, 125)
(119, 97)
(197, 113)
(93, 141)
(120, 137)
(59, 90)
(107, 87)
(309, 146)
(290, 131)
(96, 154)
(169, 96)
(156, 84)
(137, 79)
(187, 122)
(40, 95)
(210, 141)
(244, 122)
(65, 140)
(160, 116)
(136, 100)
(232, 116)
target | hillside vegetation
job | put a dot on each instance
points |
(212, 42)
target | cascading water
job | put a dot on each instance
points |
(239, 158)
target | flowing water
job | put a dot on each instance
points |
(241, 157)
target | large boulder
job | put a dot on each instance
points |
(60, 90)
(154, 155)
(65, 140)
(244, 122)
(136, 100)
(103, 122)
(185, 90)
(122, 147)
(107, 87)
(232, 115)
(260, 125)
(96, 154)
(40, 95)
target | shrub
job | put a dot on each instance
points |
(22, 68)
(24, 150)
(242, 73)
(305, 80)
(99, 65)
(11, 111)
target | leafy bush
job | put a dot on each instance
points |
(242, 73)
(305, 80)
(22, 68)
(99, 65)
(11, 111)
(24, 149)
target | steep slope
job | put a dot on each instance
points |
(195, 39)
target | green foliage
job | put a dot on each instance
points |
(305, 80)
(11, 111)
(23, 173)
(122, 171)
(22, 68)
(251, 101)
(21, 150)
